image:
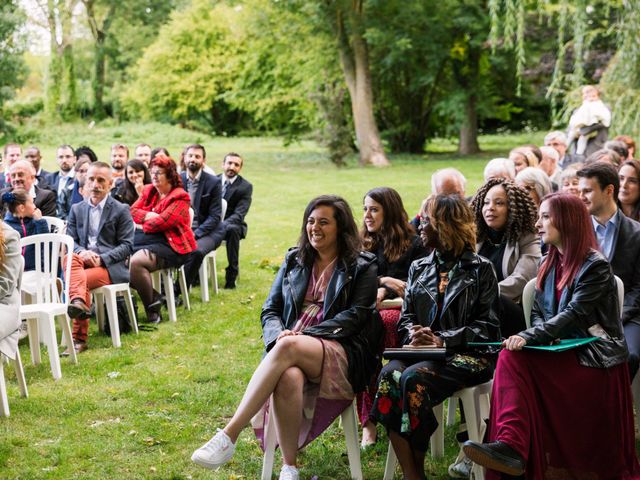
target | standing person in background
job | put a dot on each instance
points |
(237, 192)
(589, 123)
(387, 233)
(629, 195)
(32, 154)
(143, 153)
(541, 423)
(205, 192)
(62, 182)
(119, 159)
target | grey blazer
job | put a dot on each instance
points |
(519, 265)
(9, 294)
(115, 235)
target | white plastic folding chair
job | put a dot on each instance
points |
(45, 302)
(107, 296)
(209, 267)
(22, 383)
(348, 418)
(56, 225)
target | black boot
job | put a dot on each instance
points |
(496, 456)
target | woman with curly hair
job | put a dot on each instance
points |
(449, 301)
(387, 233)
(629, 194)
(505, 218)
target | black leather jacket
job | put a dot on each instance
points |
(469, 305)
(590, 299)
(349, 311)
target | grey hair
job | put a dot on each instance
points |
(499, 166)
(540, 180)
(448, 172)
(550, 152)
(24, 164)
(555, 135)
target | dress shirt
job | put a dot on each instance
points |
(95, 212)
(64, 179)
(606, 233)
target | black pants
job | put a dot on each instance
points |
(511, 317)
(232, 236)
(632, 335)
(205, 245)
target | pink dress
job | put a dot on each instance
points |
(329, 395)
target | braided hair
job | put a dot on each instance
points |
(521, 213)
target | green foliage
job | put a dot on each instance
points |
(12, 66)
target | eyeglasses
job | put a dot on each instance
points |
(157, 173)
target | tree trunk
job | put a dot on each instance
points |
(354, 59)
(71, 104)
(98, 79)
(468, 143)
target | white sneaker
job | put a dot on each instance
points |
(461, 468)
(289, 472)
(23, 333)
(216, 452)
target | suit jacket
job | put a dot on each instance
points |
(238, 197)
(43, 179)
(115, 235)
(45, 200)
(207, 204)
(625, 262)
(63, 201)
(519, 265)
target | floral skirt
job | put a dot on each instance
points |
(408, 392)
(323, 401)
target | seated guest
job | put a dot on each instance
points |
(62, 181)
(505, 219)
(569, 179)
(102, 231)
(163, 236)
(499, 168)
(129, 188)
(549, 165)
(542, 423)
(33, 155)
(631, 146)
(86, 152)
(205, 191)
(26, 219)
(619, 147)
(558, 140)
(523, 157)
(320, 333)
(447, 181)
(387, 234)
(604, 155)
(535, 182)
(143, 153)
(617, 235)
(119, 159)
(451, 299)
(23, 176)
(629, 196)
(159, 150)
(81, 167)
(10, 269)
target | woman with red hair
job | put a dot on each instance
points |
(163, 231)
(564, 414)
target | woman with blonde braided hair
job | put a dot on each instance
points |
(505, 218)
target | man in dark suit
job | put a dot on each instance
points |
(619, 240)
(237, 192)
(33, 155)
(102, 229)
(205, 192)
(23, 175)
(62, 182)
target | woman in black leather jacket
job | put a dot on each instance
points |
(320, 333)
(450, 300)
(564, 414)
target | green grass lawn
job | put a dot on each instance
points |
(140, 411)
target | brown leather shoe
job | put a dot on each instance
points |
(78, 309)
(79, 347)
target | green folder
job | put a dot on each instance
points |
(564, 344)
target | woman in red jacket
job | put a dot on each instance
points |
(163, 231)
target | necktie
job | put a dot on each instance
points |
(225, 186)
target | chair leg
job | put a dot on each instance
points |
(65, 327)
(112, 312)
(203, 273)
(49, 333)
(451, 412)
(351, 438)
(167, 279)
(182, 280)
(98, 302)
(128, 300)
(4, 401)
(214, 274)
(437, 439)
(269, 448)
(34, 340)
(390, 465)
(22, 381)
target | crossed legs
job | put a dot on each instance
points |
(141, 265)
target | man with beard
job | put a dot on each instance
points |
(23, 175)
(102, 230)
(62, 181)
(119, 159)
(205, 192)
